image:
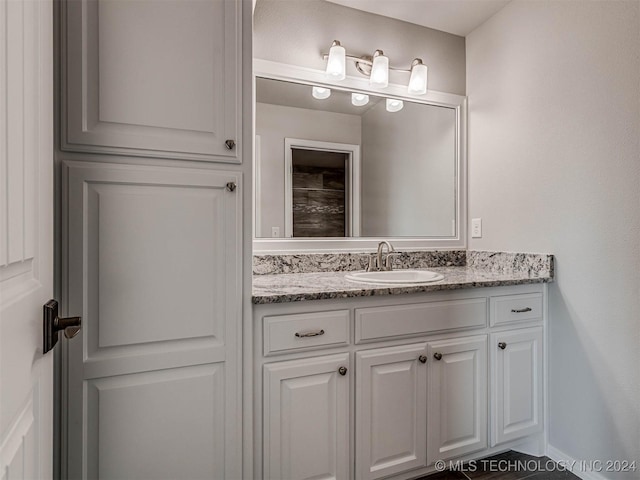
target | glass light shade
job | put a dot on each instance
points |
(337, 62)
(418, 80)
(320, 93)
(394, 105)
(359, 99)
(379, 71)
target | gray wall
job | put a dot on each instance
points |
(554, 127)
(297, 32)
(412, 147)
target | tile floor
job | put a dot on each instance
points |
(507, 466)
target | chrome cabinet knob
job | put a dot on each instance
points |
(437, 356)
(422, 358)
(502, 345)
(230, 144)
(342, 371)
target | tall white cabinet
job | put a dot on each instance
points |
(154, 248)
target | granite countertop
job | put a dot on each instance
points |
(293, 287)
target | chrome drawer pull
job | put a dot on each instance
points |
(310, 334)
(522, 310)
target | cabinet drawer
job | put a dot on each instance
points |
(516, 308)
(305, 331)
(401, 320)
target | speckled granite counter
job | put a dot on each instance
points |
(293, 287)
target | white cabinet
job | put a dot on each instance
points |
(457, 400)
(306, 418)
(153, 262)
(517, 384)
(426, 374)
(155, 79)
(391, 407)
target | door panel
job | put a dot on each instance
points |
(154, 268)
(391, 423)
(133, 417)
(306, 415)
(132, 88)
(457, 400)
(26, 237)
(518, 384)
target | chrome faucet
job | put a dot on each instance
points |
(376, 262)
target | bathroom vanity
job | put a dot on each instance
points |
(371, 381)
(367, 381)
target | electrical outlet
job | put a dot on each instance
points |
(476, 228)
(275, 232)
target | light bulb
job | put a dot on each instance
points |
(379, 70)
(359, 99)
(320, 93)
(336, 63)
(418, 80)
(394, 105)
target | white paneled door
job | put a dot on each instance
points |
(306, 419)
(26, 237)
(457, 399)
(391, 410)
(154, 266)
(517, 384)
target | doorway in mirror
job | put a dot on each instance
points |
(319, 193)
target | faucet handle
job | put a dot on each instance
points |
(373, 261)
(390, 257)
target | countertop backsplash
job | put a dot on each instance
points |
(497, 262)
(350, 262)
(540, 264)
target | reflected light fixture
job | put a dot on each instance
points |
(337, 62)
(359, 99)
(394, 105)
(379, 70)
(320, 92)
(375, 67)
(418, 79)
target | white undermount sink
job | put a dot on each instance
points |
(395, 277)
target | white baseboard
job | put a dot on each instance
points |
(558, 456)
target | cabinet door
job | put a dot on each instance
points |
(153, 264)
(517, 371)
(457, 400)
(153, 78)
(306, 418)
(391, 408)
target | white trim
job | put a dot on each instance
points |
(292, 73)
(560, 457)
(353, 200)
(257, 209)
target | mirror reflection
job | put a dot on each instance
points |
(332, 163)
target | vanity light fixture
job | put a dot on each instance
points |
(379, 70)
(337, 62)
(418, 80)
(394, 105)
(375, 67)
(320, 92)
(359, 99)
